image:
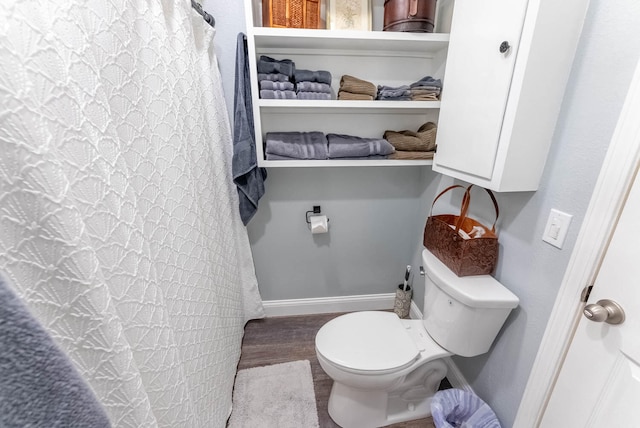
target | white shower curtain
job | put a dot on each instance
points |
(118, 219)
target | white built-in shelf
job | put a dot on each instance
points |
(390, 58)
(345, 106)
(339, 163)
(378, 42)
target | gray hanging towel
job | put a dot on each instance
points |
(39, 386)
(246, 175)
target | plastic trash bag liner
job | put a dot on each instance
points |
(455, 408)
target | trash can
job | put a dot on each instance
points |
(455, 408)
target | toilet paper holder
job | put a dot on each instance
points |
(316, 210)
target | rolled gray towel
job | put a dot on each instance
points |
(349, 146)
(320, 76)
(269, 65)
(39, 385)
(276, 86)
(268, 94)
(297, 145)
(313, 87)
(274, 77)
(313, 96)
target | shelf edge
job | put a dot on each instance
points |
(340, 163)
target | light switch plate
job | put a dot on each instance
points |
(556, 229)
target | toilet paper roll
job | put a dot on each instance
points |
(319, 224)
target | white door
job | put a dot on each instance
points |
(599, 384)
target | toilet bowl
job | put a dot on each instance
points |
(385, 370)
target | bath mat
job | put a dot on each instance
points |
(277, 396)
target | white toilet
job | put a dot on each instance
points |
(385, 369)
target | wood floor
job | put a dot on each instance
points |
(282, 339)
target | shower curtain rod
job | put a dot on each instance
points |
(198, 7)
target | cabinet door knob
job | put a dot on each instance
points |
(504, 46)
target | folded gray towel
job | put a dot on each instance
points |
(269, 156)
(269, 65)
(268, 94)
(372, 157)
(297, 145)
(39, 386)
(394, 98)
(342, 146)
(388, 92)
(320, 76)
(313, 96)
(313, 87)
(276, 86)
(427, 81)
(274, 77)
(393, 88)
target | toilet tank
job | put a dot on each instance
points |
(463, 314)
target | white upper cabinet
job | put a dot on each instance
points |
(479, 69)
(507, 66)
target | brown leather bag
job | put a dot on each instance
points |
(473, 256)
(414, 16)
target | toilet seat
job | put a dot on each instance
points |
(368, 342)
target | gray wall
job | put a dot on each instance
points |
(377, 214)
(370, 241)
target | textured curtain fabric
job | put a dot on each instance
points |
(118, 218)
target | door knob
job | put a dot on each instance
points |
(504, 46)
(604, 310)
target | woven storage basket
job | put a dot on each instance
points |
(291, 13)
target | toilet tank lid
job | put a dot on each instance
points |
(478, 291)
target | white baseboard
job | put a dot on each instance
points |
(326, 305)
(455, 377)
(415, 313)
